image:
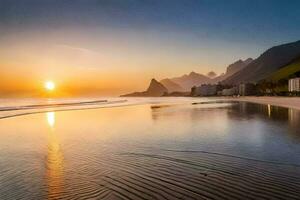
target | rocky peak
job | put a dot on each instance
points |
(156, 88)
(237, 66)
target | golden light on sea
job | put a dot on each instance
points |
(54, 161)
(269, 110)
(51, 118)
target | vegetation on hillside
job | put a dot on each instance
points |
(277, 83)
(290, 71)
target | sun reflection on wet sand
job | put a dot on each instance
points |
(51, 118)
(54, 161)
(269, 110)
(294, 117)
(92, 154)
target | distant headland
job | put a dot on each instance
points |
(274, 72)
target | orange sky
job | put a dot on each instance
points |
(109, 47)
(83, 64)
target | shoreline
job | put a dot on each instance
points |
(286, 102)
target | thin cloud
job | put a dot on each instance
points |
(81, 49)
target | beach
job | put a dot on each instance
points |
(150, 148)
(286, 102)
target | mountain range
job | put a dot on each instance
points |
(155, 89)
(187, 81)
(276, 61)
(233, 68)
(267, 63)
(183, 84)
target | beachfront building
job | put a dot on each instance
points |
(246, 89)
(230, 92)
(294, 85)
(204, 90)
(193, 91)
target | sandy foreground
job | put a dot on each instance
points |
(288, 102)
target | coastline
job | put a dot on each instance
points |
(287, 102)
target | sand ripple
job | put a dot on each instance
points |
(168, 175)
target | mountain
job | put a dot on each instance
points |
(211, 74)
(190, 80)
(267, 63)
(286, 72)
(171, 85)
(237, 66)
(219, 78)
(180, 85)
(155, 89)
(232, 69)
(186, 82)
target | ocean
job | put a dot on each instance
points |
(148, 148)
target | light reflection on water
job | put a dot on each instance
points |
(269, 110)
(164, 151)
(50, 118)
(54, 160)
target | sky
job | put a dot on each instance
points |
(110, 47)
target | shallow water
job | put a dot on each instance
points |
(160, 148)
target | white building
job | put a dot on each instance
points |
(294, 85)
(230, 91)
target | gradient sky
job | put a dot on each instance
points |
(110, 47)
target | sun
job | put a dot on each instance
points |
(49, 85)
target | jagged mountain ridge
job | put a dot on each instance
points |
(232, 69)
(267, 63)
(237, 66)
(155, 89)
(172, 86)
(187, 81)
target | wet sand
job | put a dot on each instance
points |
(287, 102)
(161, 150)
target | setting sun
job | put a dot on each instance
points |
(49, 85)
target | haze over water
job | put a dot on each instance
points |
(143, 148)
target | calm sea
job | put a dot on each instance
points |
(148, 148)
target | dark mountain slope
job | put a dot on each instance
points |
(266, 64)
(155, 89)
(286, 72)
(171, 85)
(232, 69)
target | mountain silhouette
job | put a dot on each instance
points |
(186, 82)
(155, 89)
(232, 69)
(237, 66)
(172, 86)
(267, 63)
(190, 80)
